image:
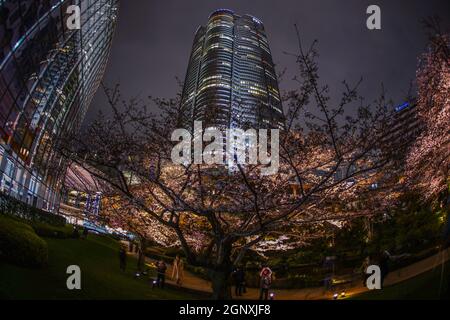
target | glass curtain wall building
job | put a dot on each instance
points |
(49, 73)
(231, 80)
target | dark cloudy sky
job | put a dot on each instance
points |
(154, 39)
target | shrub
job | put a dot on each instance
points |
(15, 208)
(173, 251)
(75, 233)
(20, 245)
(49, 231)
(198, 271)
(114, 236)
(152, 255)
(298, 281)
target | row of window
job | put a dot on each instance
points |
(47, 81)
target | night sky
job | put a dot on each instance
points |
(154, 39)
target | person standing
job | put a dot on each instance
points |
(445, 244)
(75, 233)
(365, 264)
(265, 283)
(161, 274)
(239, 280)
(178, 270)
(122, 259)
(85, 232)
(384, 266)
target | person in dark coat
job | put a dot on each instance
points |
(384, 266)
(122, 259)
(446, 233)
(85, 232)
(75, 233)
(446, 239)
(239, 281)
(161, 274)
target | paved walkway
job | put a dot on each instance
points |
(190, 280)
(194, 283)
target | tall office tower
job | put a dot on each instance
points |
(406, 124)
(231, 80)
(50, 69)
(405, 127)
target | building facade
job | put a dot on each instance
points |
(231, 80)
(49, 73)
(406, 125)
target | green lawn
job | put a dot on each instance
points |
(100, 275)
(423, 287)
(102, 279)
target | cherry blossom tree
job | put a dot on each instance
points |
(330, 152)
(428, 162)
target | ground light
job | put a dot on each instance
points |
(272, 296)
(337, 295)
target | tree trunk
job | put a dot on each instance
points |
(220, 283)
(141, 254)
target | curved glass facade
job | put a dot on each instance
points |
(49, 74)
(231, 78)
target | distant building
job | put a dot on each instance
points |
(406, 123)
(404, 129)
(49, 74)
(231, 80)
(81, 195)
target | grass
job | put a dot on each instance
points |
(101, 278)
(426, 286)
(100, 275)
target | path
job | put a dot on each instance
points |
(195, 283)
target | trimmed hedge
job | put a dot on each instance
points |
(20, 245)
(49, 231)
(15, 208)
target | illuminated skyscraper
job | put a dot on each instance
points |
(49, 73)
(231, 80)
